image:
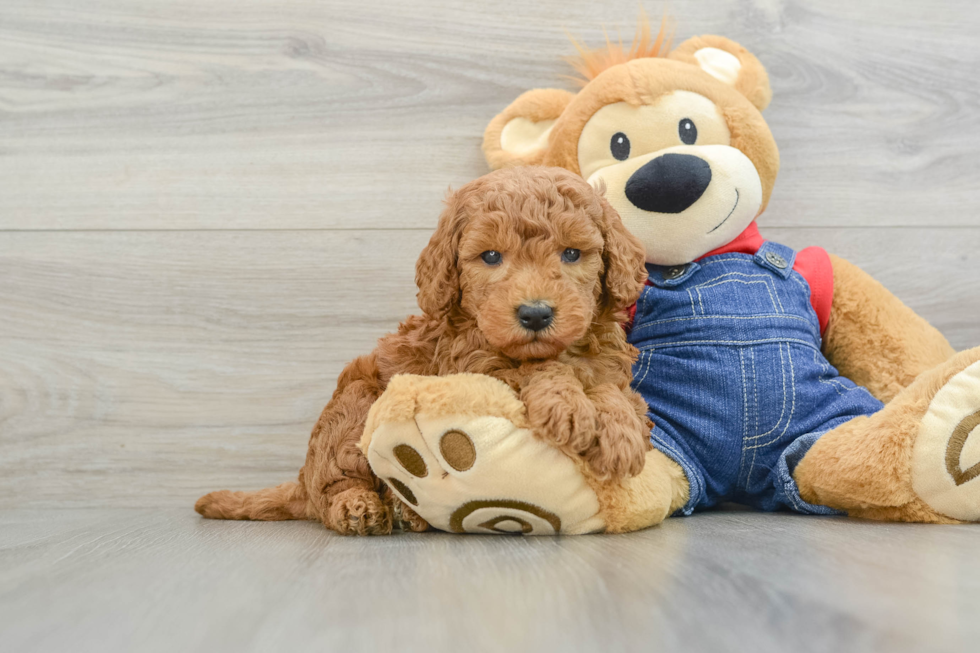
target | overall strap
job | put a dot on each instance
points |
(776, 258)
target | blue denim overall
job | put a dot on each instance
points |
(730, 365)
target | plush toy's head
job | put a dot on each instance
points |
(676, 138)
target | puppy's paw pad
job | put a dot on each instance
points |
(946, 454)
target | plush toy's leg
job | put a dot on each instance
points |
(459, 451)
(874, 339)
(916, 460)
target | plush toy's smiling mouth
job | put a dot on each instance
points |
(727, 216)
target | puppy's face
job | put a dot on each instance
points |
(535, 256)
(531, 280)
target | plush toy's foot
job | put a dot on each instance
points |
(916, 460)
(458, 451)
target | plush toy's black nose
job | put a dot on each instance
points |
(535, 316)
(669, 184)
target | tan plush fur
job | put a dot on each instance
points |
(644, 500)
(753, 81)
(573, 376)
(591, 62)
(874, 339)
(864, 466)
(537, 106)
(481, 399)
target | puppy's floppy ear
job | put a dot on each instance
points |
(437, 271)
(623, 257)
(730, 63)
(518, 135)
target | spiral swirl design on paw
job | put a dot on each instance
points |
(954, 450)
(505, 516)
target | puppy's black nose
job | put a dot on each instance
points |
(535, 316)
(669, 183)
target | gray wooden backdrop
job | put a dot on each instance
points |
(206, 208)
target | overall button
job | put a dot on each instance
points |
(776, 260)
(674, 272)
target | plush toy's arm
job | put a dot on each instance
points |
(874, 339)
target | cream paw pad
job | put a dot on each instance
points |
(458, 450)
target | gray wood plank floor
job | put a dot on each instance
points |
(136, 580)
(207, 208)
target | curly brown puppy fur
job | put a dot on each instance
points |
(533, 237)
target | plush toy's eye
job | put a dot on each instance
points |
(619, 145)
(688, 132)
(570, 255)
(491, 257)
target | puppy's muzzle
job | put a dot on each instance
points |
(536, 316)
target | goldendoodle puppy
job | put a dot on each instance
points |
(527, 279)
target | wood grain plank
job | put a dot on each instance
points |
(98, 580)
(144, 368)
(312, 114)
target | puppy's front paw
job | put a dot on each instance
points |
(560, 413)
(617, 454)
(359, 511)
(408, 519)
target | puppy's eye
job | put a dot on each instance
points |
(491, 257)
(619, 145)
(687, 131)
(570, 255)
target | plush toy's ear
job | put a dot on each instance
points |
(730, 63)
(519, 134)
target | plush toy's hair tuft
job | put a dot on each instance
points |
(589, 63)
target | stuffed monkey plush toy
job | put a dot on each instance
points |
(775, 378)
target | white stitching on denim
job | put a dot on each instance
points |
(798, 278)
(755, 449)
(733, 343)
(792, 411)
(781, 316)
(745, 412)
(782, 369)
(778, 299)
(694, 311)
(755, 393)
(714, 281)
(766, 280)
(712, 261)
(639, 379)
(825, 369)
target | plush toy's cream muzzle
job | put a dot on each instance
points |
(683, 201)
